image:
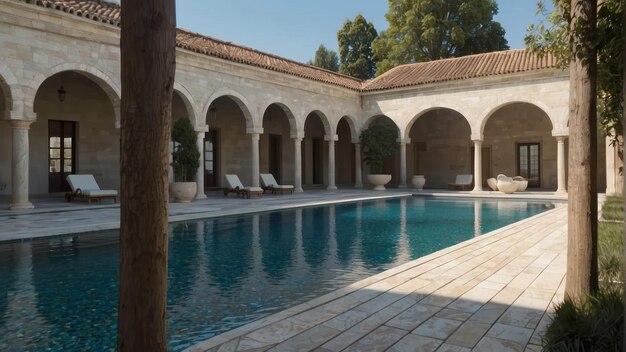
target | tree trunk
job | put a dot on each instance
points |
(147, 44)
(582, 252)
(623, 169)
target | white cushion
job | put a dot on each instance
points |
(268, 180)
(99, 193)
(233, 181)
(84, 182)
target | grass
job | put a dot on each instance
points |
(613, 208)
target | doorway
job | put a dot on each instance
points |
(61, 154)
(211, 161)
(529, 163)
(275, 155)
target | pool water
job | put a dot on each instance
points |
(60, 294)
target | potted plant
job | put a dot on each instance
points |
(379, 143)
(185, 161)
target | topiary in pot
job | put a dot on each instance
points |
(379, 143)
(185, 160)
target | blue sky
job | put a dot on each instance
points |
(294, 29)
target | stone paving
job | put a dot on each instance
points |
(492, 293)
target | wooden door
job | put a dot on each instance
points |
(62, 148)
(529, 163)
(211, 154)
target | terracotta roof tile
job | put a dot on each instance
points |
(472, 66)
(489, 64)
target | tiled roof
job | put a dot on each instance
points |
(481, 65)
(472, 66)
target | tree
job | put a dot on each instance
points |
(355, 48)
(425, 30)
(582, 245)
(148, 40)
(326, 59)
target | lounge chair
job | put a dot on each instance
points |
(235, 186)
(86, 187)
(268, 183)
(462, 181)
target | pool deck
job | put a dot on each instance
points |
(491, 293)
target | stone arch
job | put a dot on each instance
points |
(373, 118)
(328, 130)
(10, 89)
(294, 126)
(407, 128)
(240, 100)
(110, 87)
(352, 123)
(479, 131)
(188, 100)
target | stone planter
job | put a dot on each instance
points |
(418, 182)
(493, 183)
(183, 192)
(379, 181)
(506, 184)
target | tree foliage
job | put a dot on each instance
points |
(550, 36)
(355, 48)
(425, 30)
(326, 59)
(379, 143)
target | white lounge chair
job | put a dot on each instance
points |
(269, 183)
(462, 182)
(235, 186)
(86, 187)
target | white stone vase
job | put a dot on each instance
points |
(379, 181)
(183, 192)
(493, 183)
(506, 184)
(418, 182)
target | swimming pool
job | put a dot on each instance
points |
(60, 294)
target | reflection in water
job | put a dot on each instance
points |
(60, 294)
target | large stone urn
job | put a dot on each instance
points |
(418, 182)
(183, 192)
(379, 181)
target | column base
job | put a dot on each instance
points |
(331, 188)
(561, 192)
(401, 186)
(21, 206)
(298, 190)
(475, 190)
(358, 185)
(200, 196)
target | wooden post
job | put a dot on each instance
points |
(147, 44)
(582, 251)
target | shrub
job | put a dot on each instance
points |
(379, 143)
(186, 154)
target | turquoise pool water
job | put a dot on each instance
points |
(60, 294)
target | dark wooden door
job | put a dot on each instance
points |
(529, 163)
(275, 155)
(62, 148)
(211, 162)
(318, 152)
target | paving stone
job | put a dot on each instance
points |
(413, 317)
(378, 340)
(446, 347)
(468, 334)
(414, 343)
(437, 327)
(512, 333)
(491, 344)
(307, 340)
(453, 314)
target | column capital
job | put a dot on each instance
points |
(477, 141)
(202, 128)
(560, 139)
(404, 140)
(21, 115)
(254, 130)
(297, 135)
(331, 137)
(21, 124)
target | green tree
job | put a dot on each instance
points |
(326, 59)
(355, 48)
(426, 30)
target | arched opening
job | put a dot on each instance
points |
(440, 147)
(276, 148)
(344, 153)
(391, 166)
(314, 151)
(519, 136)
(74, 133)
(5, 139)
(227, 146)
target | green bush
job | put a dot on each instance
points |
(610, 252)
(186, 156)
(592, 324)
(379, 143)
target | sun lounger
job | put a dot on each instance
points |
(86, 187)
(268, 183)
(235, 186)
(462, 181)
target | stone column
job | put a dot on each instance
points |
(297, 144)
(478, 166)
(610, 166)
(331, 160)
(255, 137)
(560, 162)
(358, 171)
(403, 143)
(200, 174)
(19, 165)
